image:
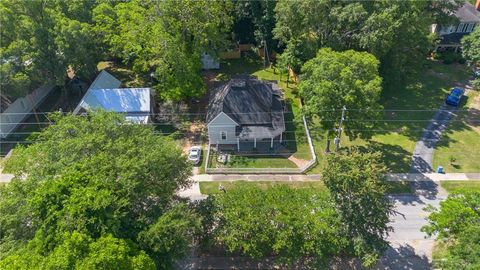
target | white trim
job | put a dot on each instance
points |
(219, 115)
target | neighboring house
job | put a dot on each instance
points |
(104, 93)
(245, 110)
(451, 35)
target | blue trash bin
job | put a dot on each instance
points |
(440, 169)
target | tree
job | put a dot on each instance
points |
(471, 47)
(457, 224)
(290, 224)
(165, 39)
(396, 32)
(356, 182)
(78, 251)
(335, 79)
(43, 39)
(262, 15)
(97, 175)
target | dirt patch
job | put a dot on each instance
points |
(193, 136)
(299, 162)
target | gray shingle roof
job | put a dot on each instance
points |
(255, 105)
(468, 13)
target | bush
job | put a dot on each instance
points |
(449, 57)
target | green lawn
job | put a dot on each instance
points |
(212, 187)
(452, 186)
(295, 137)
(459, 148)
(252, 162)
(397, 135)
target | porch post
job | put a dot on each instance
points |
(254, 142)
(238, 144)
(281, 137)
(271, 143)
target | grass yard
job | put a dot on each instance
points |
(459, 149)
(252, 162)
(452, 186)
(211, 187)
(295, 137)
(396, 136)
(208, 188)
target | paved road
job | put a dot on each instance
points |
(422, 159)
(409, 247)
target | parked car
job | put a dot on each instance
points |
(455, 96)
(195, 154)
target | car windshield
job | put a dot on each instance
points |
(456, 93)
(193, 156)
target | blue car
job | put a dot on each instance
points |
(454, 97)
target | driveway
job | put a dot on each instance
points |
(422, 159)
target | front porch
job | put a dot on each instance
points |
(265, 146)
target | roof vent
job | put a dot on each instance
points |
(238, 83)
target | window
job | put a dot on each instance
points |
(224, 135)
(470, 27)
(460, 27)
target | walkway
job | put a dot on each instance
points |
(422, 158)
(411, 177)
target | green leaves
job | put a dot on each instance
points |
(291, 224)
(471, 46)
(101, 177)
(332, 80)
(457, 223)
(357, 185)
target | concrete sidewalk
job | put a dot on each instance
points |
(411, 177)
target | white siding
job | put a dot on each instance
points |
(222, 123)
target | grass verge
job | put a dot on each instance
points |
(208, 188)
(212, 187)
(452, 186)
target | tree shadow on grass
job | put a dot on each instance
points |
(394, 157)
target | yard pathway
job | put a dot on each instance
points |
(422, 158)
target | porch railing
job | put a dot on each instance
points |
(302, 169)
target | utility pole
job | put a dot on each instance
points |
(340, 128)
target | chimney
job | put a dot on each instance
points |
(477, 5)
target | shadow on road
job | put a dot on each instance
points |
(403, 257)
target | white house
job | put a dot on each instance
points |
(451, 35)
(245, 111)
(104, 93)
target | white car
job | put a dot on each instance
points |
(195, 154)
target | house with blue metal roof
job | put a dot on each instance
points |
(105, 94)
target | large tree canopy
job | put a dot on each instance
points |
(457, 223)
(358, 187)
(291, 224)
(105, 179)
(396, 32)
(165, 39)
(40, 40)
(335, 79)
